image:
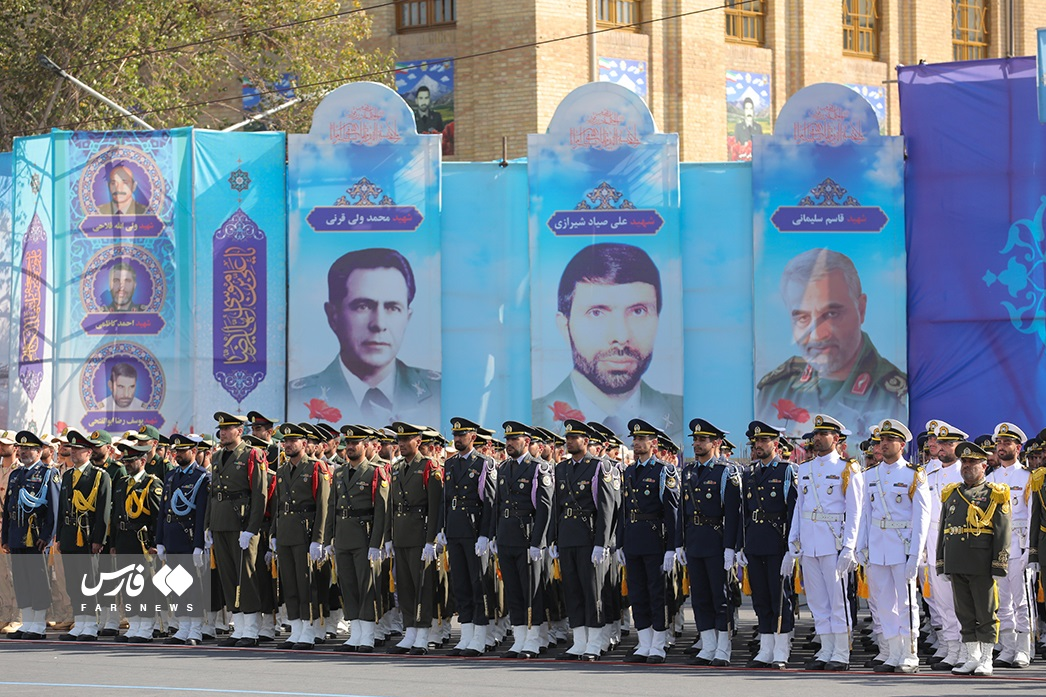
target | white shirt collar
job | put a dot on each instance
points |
(358, 388)
(593, 412)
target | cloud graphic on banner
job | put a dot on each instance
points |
(1024, 274)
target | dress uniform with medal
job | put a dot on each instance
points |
(709, 528)
(891, 541)
(768, 496)
(30, 517)
(648, 539)
(973, 550)
(613, 602)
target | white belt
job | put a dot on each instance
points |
(824, 517)
(894, 524)
(1019, 527)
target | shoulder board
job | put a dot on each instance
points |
(790, 368)
(895, 382)
(947, 491)
(1037, 478)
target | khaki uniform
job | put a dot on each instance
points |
(357, 522)
(973, 548)
(299, 517)
(416, 495)
(236, 503)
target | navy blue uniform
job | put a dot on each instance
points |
(180, 527)
(709, 522)
(30, 516)
(768, 497)
(648, 530)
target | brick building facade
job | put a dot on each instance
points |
(687, 52)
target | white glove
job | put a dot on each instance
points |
(535, 553)
(599, 555)
(845, 563)
(911, 568)
(681, 555)
(272, 543)
(197, 557)
(315, 551)
(553, 552)
(728, 559)
(620, 556)
(428, 553)
(862, 556)
(374, 554)
(670, 561)
(208, 539)
(493, 547)
(268, 558)
(742, 560)
(245, 539)
(389, 554)
(1033, 567)
(441, 539)
(787, 564)
(161, 552)
(482, 546)
(328, 550)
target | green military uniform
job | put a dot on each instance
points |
(875, 389)
(236, 504)
(299, 517)
(357, 525)
(415, 497)
(973, 545)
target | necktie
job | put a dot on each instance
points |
(375, 406)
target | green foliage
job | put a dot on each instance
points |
(116, 46)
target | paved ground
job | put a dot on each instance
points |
(59, 669)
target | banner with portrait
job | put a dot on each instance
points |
(239, 186)
(606, 270)
(428, 88)
(124, 269)
(32, 301)
(364, 293)
(829, 265)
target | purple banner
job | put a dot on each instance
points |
(110, 226)
(829, 219)
(364, 218)
(239, 305)
(33, 311)
(121, 421)
(129, 323)
(607, 222)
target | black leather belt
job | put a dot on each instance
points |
(288, 507)
(227, 496)
(707, 520)
(635, 516)
(758, 516)
(404, 508)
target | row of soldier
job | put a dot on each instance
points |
(518, 541)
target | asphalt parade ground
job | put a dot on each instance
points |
(65, 669)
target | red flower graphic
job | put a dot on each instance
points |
(561, 411)
(788, 410)
(60, 426)
(318, 409)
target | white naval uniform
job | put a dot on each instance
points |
(941, 601)
(894, 527)
(825, 520)
(1013, 599)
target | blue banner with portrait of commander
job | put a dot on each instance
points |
(364, 294)
(829, 265)
(606, 269)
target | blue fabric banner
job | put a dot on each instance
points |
(976, 277)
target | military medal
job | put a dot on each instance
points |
(898, 498)
(708, 495)
(773, 493)
(831, 488)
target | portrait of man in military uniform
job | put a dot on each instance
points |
(838, 369)
(609, 306)
(370, 302)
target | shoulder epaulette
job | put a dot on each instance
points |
(895, 382)
(792, 367)
(947, 491)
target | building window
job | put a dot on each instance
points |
(422, 14)
(861, 28)
(969, 29)
(618, 13)
(745, 20)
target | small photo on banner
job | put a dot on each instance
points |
(606, 273)
(630, 74)
(364, 294)
(876, 96)
(428, 87)
(747, 111)
(829, 266)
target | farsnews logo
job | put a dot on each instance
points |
(130, 580)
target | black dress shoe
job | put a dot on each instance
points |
(756, 664)
(285, 645)
(418, 651)
(589, 657)
(941, 665)
(1002, 664)
(379, 642)
(228, 641)
(174, 641)
(636, 658)
(873, 662)
(18, 634)
(699, 661)
(883, 668)
(208, 637)
(526, 655)
(140, 640)
(247, 642)
(192, 642)
(108, 632)
(262, 639)
(470, 653)
(692, 651)
(84, 637)
(303, 646)
(815, 664)
(836, 666)
(510, 654)
(122, 639)
(455, 651)
(32, 636)
(398, 650)
(567, 656)
(660, 659)
(345, 648)
(778, 665)
(364, 649)
(717, 662)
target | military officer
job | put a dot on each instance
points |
(613, 603)
(234, 517)
(264, 436)
(709, 528)
(416, 493)
(83, 521)
(891, 541)
(973, 550)
(1014, 610)
(519, 530)
(30, 517)
(768, 494)
(157, 465)
(464, 519)
(823, 537)
(582, 514)
(648, 539)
